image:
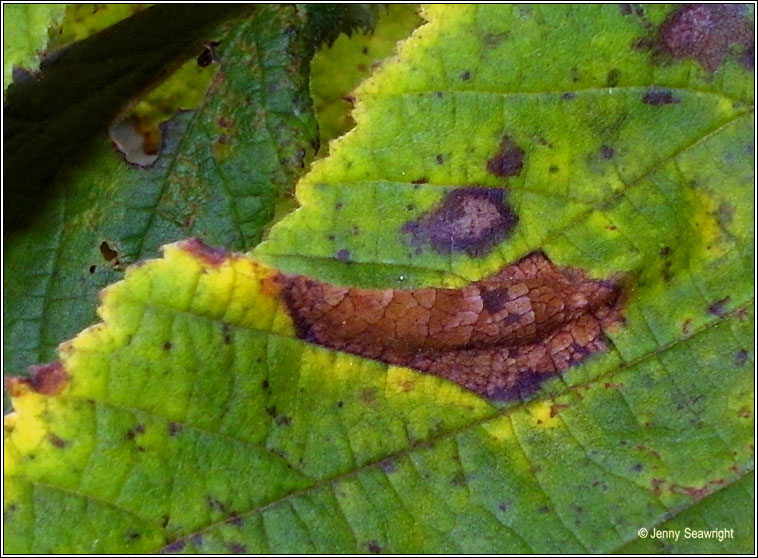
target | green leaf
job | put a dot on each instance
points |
(337, 69)
(25, 28)
(200, 416)
(221, 172)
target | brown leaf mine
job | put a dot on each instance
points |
(498, 337)
(470, 220)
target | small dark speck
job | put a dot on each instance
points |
(330, 236)
(612, 79)
(234, 520)
(167, 346)
(410, 207)
(503, 506)
(237, 548)
(544, 509)
(658, 97)
(132, 535)
(374, 547)
(265, 384)
(364, 50)
(173, 428)
(465, 76)
(440, 159)
(176, 546)
(338, 205)
(422, 180)
(606, 152)
(342, 255)
(439, 94)
(92, 268)
(553, 169)
(387, 466)
(340, 404)
(58, 442)
(741, 357)
(568, 96)
(718, 308)
(665, 251)
(637, 468)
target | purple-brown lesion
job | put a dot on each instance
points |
(529, 321)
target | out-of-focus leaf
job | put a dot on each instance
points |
(25, 35)
(47, 120)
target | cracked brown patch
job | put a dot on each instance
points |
(499, 337)
(706, 32)
(208, 254)
(508, 161)
(47, 379)
(470, 220)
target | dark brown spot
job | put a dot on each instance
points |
(471, 220)
(612, 79)
(176, 546)
(209, 255)
(208, 55)
(422, 180)
(637, 468)
(57, 441)
(553, 169)
(503, 506)
(265, 384)
(47, 379)
(658, 97)
(340, 404)
(373, 547)
(338, 206)
(568, 96)
(718, 308)
(606, 152)
(364, 50)
(342, 255)
(440, 159)
(465, 76)
(508, 161)
(92, 268)
(665, 251)
(173, 428)
(741, 357)
(626, 9)
(500, 337)
(108, 253)
(705, 32)
(226, 332)
(167, 346)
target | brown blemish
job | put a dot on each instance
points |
(705, 32)
(606, 152)
(57, 441)
(465, 76)
(47, 379)
(373, 547)
(422, 180)
(108, 253)
(208, 55)
(207, 254)
(471, 220)
(658, 97)
(718, 308)
(440, 159)
(499, 337)
(92, 268)
(508, 161)
(173, 428)
(167, 346)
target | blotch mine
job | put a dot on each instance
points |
(499, 337)
(470, 220)
(508, 161)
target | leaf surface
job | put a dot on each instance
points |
(195, 418)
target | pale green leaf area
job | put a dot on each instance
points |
(192, 419)
(337, 69)
(25, 35)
